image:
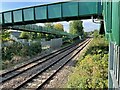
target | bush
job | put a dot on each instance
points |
(92, 70)
(9, 51)
(18, 49)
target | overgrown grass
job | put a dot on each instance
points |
(91, 70)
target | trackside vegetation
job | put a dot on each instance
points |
(14, 52)
(17, 51)
(91, 70)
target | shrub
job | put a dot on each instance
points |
(18, 49)
(92, 70)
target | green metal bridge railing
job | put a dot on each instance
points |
(40, 29)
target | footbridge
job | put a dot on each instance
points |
(40, 29)
(61, 11)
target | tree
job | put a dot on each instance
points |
(59, 26)
(49, 25)
(49, 36)
(33, 35)
(95, 34)
(5, 35)
(85, 34)
(24, 35)
(76, 27)
(39, 35)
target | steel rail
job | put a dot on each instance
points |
(44, 57)
(45, 68)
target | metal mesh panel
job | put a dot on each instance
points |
(70, 9)
(41, 12)
(54, 11)
(17, 16)
(87, 8)
(28, 14)
(8, 17)
(1, 19)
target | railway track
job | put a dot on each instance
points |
(36, 74)
(14, 72)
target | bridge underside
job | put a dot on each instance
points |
(62, 11)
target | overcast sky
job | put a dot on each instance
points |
(7, 5)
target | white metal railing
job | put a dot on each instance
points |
(114, 66)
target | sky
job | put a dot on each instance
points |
(7, 5)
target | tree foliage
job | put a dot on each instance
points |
(95, 33)
(76, 27)
(33, 35)
(24, 35)
(5, 35)
(59, 26)
(85, 34)
(30, 35)
(49, 36)
(49, 25)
